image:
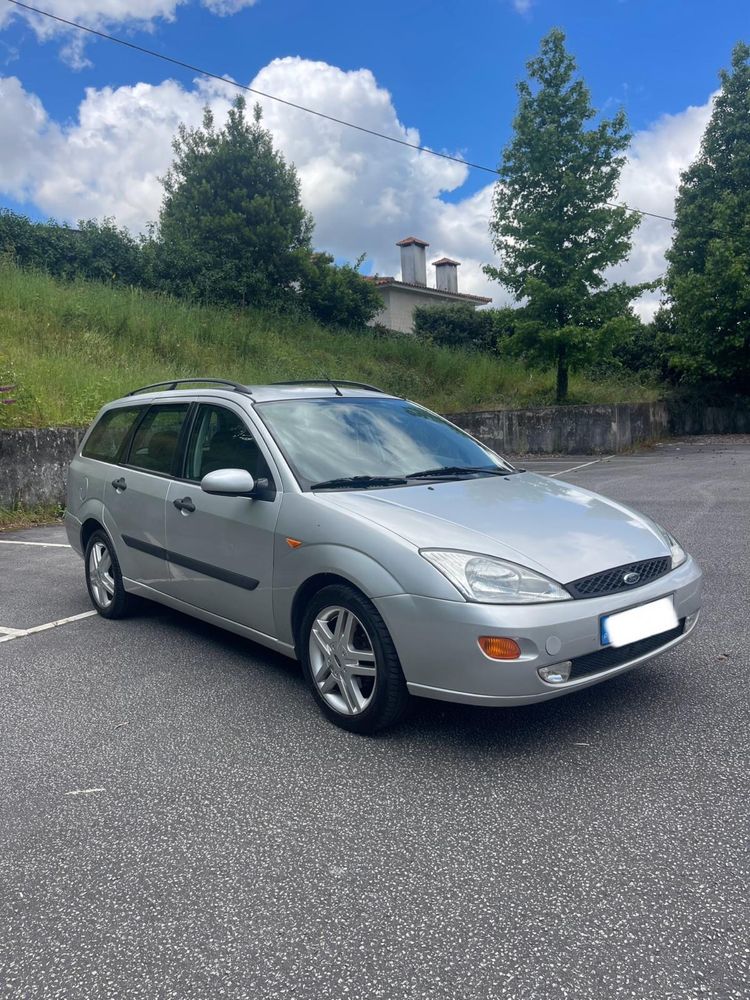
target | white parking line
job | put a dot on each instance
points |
(576, 467)
(48, 545)
(20, 633)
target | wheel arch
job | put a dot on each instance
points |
(308, 589)
(89, 526)
(299, 574)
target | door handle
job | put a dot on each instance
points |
(185, 506)
(119, 484)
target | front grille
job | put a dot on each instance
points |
(612, 656)
(611, 580)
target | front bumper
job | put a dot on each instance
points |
(437, 640)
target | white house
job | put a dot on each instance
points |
(402, 296)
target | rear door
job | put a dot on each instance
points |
(221, 551)
(135, 494)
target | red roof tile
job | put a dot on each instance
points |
(409, 240)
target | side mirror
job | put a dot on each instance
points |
(228, 483)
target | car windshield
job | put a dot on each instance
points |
(329, 441)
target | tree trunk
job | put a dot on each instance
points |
(562, 374)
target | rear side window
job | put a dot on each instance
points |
(107, 437)
(156, 441)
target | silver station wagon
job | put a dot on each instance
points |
(386, 549)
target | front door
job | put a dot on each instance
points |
(221, 550)
(135, 495)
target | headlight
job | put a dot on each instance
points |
(494, 581)
(679, 555)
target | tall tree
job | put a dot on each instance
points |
(232, 227)
(708, 278)
(551, 225)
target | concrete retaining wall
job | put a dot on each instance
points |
(687, 419)
(33, 463)
(567, 429)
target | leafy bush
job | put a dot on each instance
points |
(337, 296)
(462, 326)
(99, 250)
(643, 350)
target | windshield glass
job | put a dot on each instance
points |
(341, 437)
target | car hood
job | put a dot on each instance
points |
(558, 529)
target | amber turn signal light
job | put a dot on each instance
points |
(499, 647)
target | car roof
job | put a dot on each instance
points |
(258, 393)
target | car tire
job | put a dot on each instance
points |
(350, 662)
(104, 578)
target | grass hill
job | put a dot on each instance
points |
(71, 346)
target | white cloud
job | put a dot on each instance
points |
(103, 15)
(25, 134)
(523, 6)
(94, 13)
(364, 193)
(109, 161)
(649, 181)
(226, 7)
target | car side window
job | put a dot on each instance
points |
(222, 440)
(108, 436)
(155, 442)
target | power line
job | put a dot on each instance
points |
(292, 104)
(250, 90)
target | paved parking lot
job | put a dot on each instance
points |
(177, 821)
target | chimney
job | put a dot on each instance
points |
(446, 274)
(413, 262)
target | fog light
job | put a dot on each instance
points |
(499, 647)
(690, 621)
(556, 673)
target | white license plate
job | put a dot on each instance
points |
(638, 623)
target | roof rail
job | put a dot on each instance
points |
(332, 382)
(173, 383)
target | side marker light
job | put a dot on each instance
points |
(499, 647)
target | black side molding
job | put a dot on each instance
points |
(225, 575)
(147, 547)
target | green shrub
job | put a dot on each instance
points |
(337, 296)
(99, 250)
(461, 325)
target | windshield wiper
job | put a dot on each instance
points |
(358, 482)
(461, 470)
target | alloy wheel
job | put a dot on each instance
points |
(342, 658)
(101, 575)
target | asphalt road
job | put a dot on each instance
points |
(177, 821)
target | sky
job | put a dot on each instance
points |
(86, 125)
